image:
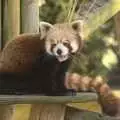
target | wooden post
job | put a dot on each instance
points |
(29, 16)
(6, 112)
(10, 26)
(73, 114)
(47, 112)
(0, 24)
(11, 19)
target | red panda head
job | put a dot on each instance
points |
(61, 40)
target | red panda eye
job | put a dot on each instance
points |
(53, 44)
(66, 43)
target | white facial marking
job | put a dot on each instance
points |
(48, 48)
(74, 46)
(64, 52)
(60, 46)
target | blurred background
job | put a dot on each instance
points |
(100, 54)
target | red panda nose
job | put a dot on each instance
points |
(59, 51)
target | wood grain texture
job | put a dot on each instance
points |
(56, 111)
(0, 24)
(47, 112)
(6, 111)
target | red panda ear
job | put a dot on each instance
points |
(44, 28)
(78, 27)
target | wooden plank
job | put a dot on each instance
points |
(21, 112)
(47, 112)
(29, 99)
(100, 17)
(75, 114)
(93, 106)
(6, 112)
(54, 111)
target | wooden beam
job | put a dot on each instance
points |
(33, 99)
(56, 111)
(47, 112)
(100, 17)
(76, 114)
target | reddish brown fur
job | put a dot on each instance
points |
(110, 104)
(16, 58)
(77, 82)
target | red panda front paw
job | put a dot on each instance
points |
(76, 82)
(71, 92)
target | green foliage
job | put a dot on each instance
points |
(89, 62)
(54, 10)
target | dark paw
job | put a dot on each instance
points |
(70, 92)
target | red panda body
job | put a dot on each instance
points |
(19, 54)
(25, 68)
(37, 63)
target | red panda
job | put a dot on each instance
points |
(109, 102)
(37, 63)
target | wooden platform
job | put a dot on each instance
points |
(30, 99)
